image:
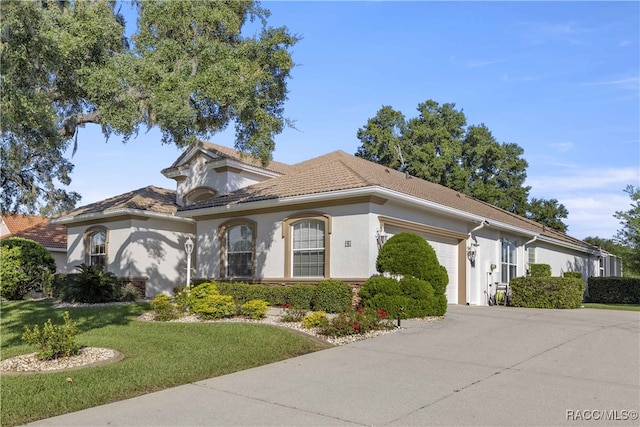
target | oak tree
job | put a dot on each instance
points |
(191, 69)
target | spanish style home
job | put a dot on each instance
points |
(322, 218)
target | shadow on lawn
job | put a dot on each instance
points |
(18, 314)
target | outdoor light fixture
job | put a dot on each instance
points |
(188, 247)
(381, 238)
(471, 255)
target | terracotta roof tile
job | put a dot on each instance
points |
(18, 222)
(47, 234)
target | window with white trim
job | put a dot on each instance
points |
(239, 251)
(508, 266)
(308, 244)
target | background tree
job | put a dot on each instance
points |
(188, 70)
(629, 235)
(548, 213)
(438, 146)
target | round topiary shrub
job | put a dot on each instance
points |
(379, 285)
(408, 254)
(331, 296)
(26, 266)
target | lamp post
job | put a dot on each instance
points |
(188, 247)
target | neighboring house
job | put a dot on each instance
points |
(322, 218)
(52, 236)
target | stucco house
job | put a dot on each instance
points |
(322, 218)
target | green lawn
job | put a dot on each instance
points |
(157, 356)
(627, 307)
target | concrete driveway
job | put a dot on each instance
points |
(479, 366)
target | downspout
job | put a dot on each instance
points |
(485, 222)
(532, 240)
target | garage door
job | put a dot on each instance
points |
(447, 253)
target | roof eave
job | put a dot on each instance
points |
(105, 215)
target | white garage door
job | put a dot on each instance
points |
(447, 253)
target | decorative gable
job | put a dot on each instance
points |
(207, 170)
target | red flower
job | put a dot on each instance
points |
(382, 313)
(356, 326)
(287, 305)
(359, 311)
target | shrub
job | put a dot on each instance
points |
(408, 254)
(237, 290)
(332, 296)
(54, 341)
(26, 266)
(91, 285)
(293, 314)
(214, 306)
(129, 292)
(182, 300)
(300, 296)
(575, 274)
(354, 322)
(379, 285)
(315, 319)
(407, 298)
(540, 270)
(162, 308)
(254, 309)
(203, 290)
(614, 290)
(547, 292)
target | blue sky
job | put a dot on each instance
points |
(560, 79)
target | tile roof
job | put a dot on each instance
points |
(151, 198)
(341, 171)
(18, 222)
(47, 234)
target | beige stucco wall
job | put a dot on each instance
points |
(152, 248)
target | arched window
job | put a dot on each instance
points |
(97, 247)
(199, 194)
(239, 251)
(237, 257)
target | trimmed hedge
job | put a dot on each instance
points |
(614, 290)
(547, 292)
(26, 266)
(408, 298)
(329, 295)
(540, 270)
(575, 274)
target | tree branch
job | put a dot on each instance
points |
(70, 123)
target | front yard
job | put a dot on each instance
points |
(157, 356)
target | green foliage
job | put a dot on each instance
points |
(548, 213)
(91, 285)
(163, 308)
(379, 285)
(293, 313)
(191, 72)
(315, 319)
(254, 309)
(408, 298)
(575, 274)
(547, 292)
(540, 270)
(54, 341)
(214, 306)
(614, 290)
(625, 252)
(204, 289)
(438, 146)
(331, 296)
(629, 234)
(129, 293)
(355, 322)
(409, 254)
(300, 296)
(26, 266)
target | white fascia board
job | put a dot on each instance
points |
(55, 249)
(568, 245)
(119, 212)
